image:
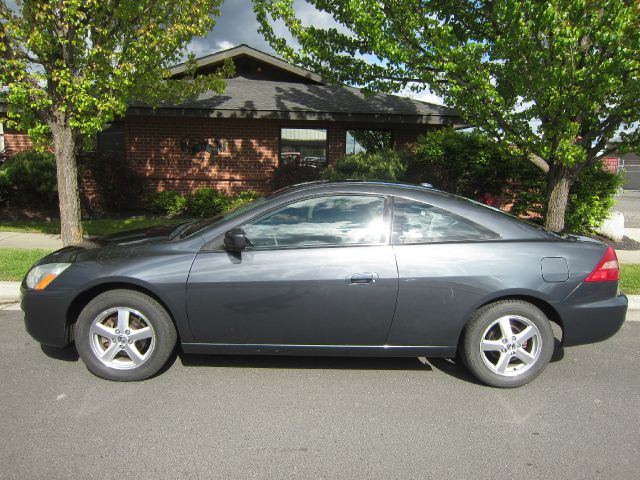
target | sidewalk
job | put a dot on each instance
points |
(30, 240)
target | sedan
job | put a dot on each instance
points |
(343, 268)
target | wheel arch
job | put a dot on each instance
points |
(83, 298)
(546, 307)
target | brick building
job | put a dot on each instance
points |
(270, 112)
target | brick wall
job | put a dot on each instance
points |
(153, 150)
(15, 142)
(252, 150)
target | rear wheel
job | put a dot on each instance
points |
(508, 343)
(124, 335)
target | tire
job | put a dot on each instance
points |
(124, 335)
(510, 360)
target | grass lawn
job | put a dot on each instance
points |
(15, 262)
(101, 226)
(630, 279)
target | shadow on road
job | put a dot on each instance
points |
(68, 354)
(292, 362)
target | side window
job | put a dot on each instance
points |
(322, 221)
(416, 222)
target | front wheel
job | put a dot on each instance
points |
(508, 343)
(124, 335)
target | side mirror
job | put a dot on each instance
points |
(234, 240)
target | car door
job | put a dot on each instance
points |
(318, 271)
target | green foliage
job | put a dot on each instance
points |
(379, 165)
(86, 59)
(205, 202)
(554, 79)
(29, 178)
(292, 173)
(468, 164)
(591, 199)
(241, 199)
(69, 67)
(167, 202)
(208, 202)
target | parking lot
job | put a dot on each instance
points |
(307, 418)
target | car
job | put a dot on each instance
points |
(330, 268)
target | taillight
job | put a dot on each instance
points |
(607, 269)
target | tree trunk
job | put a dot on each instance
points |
(65, 144)
(559, 182)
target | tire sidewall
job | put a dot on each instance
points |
(480, 322)
(157, 316)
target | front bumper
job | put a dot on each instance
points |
(45, 316)
(594, 321)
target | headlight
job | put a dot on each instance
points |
(42, 275)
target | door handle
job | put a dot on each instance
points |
(368, 278)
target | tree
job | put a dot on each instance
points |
(68, 67)
(554, 79)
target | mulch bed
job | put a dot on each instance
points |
(625, 244)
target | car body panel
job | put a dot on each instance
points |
(293, 296)
(296, 300)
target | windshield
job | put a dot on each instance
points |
(199, 225)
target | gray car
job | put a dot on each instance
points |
(347, 268)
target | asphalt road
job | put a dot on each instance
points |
(312, 418)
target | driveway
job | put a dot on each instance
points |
(629, 204)
(307, 418)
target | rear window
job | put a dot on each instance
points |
(417, 222)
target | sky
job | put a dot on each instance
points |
(237, 24)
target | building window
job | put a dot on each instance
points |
(305, 145)
(368, 140)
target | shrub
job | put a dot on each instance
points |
(467, 164)
(470, 164)
(293, 172)
(242, 198)
(167, 202)
(29, 178)
(591, 198)
(206, 202)
(379, 165)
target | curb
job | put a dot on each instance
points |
(10, 293)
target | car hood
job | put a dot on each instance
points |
(118, 245)
(160, 233)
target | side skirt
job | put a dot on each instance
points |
(321, 350)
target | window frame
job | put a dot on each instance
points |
(297, 127)
(497, 236)
(386, 218)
